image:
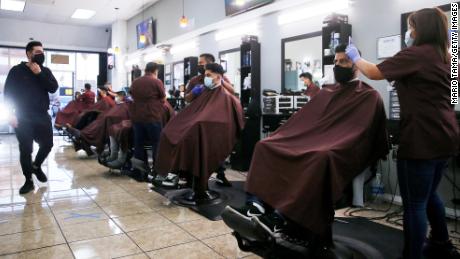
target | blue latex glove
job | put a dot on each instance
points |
(352, 52)
(197, 90)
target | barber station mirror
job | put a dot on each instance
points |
(178, 76)
(230, 61)
(300, 54)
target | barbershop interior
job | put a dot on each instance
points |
(195, 129)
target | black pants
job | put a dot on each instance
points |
(32, 128)
(87, 119)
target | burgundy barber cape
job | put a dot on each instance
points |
(97, 132)
(75, 110)
(201, 136)
(302, 168)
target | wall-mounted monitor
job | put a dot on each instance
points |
(146, 33)
(234, 7)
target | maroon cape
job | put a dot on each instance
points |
(97, 132)
(302, 168)
(201, 136)
(70, 112)
(122, 131)
(75, 112)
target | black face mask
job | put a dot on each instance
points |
(201, 69)
(343, 74)
(39, 58)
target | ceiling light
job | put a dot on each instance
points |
(313, 10)
(183, 22)
(12, 5)
(83, 14)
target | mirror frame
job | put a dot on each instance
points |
(283, 52)
(404, 17)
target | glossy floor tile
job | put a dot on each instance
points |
(84, 211)
(106, 247)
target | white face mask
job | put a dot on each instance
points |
(408, 39)
(208, 82)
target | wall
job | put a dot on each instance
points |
(17, 33)
(371, 19)
(167, 14)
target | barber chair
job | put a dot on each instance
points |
(253, 237)
(195, 197)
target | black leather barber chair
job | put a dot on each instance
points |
(255, 238)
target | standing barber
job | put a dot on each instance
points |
(429, 129)
(26, 90)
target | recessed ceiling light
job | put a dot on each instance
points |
(83, 14)
(12, 5)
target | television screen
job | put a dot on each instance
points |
(146, 28)
(233, 7)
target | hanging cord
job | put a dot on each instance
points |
(351, 212)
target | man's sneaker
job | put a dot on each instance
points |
(272, 223)
(251, 209)
(41, 176)
(434, 249)
(170, 181)
(27, 187)
(222, 180)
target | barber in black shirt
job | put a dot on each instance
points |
(26, 90)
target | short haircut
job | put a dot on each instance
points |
(342, 48)
(121, 93)
(103, 88)
(151, 67)
(30, 46)
(88, 86)
(306, 75)
(208, 57)
(215, 68)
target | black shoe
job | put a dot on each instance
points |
(434, 249)
(272, 223)
(41, 176)
(251, 209)
(222, 181)
(27, 187)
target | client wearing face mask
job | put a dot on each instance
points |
(26, 91)
(299, 172)
(200, 137)
(196, 85)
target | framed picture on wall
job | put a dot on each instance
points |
(388, 46)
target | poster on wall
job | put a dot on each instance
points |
(146, 33)
(234, 7)
(388, 46)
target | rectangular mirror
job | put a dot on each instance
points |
(301, 54)
(230, 61)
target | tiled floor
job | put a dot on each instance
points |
(85, 212)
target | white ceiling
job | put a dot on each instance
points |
(60, 11)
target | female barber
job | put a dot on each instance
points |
(429, 130)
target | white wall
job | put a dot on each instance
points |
(17, 33)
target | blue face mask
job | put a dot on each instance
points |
(208, 82)
(408, 39)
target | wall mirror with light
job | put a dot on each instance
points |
(178, 75)
(231, 62)
(300, 54)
